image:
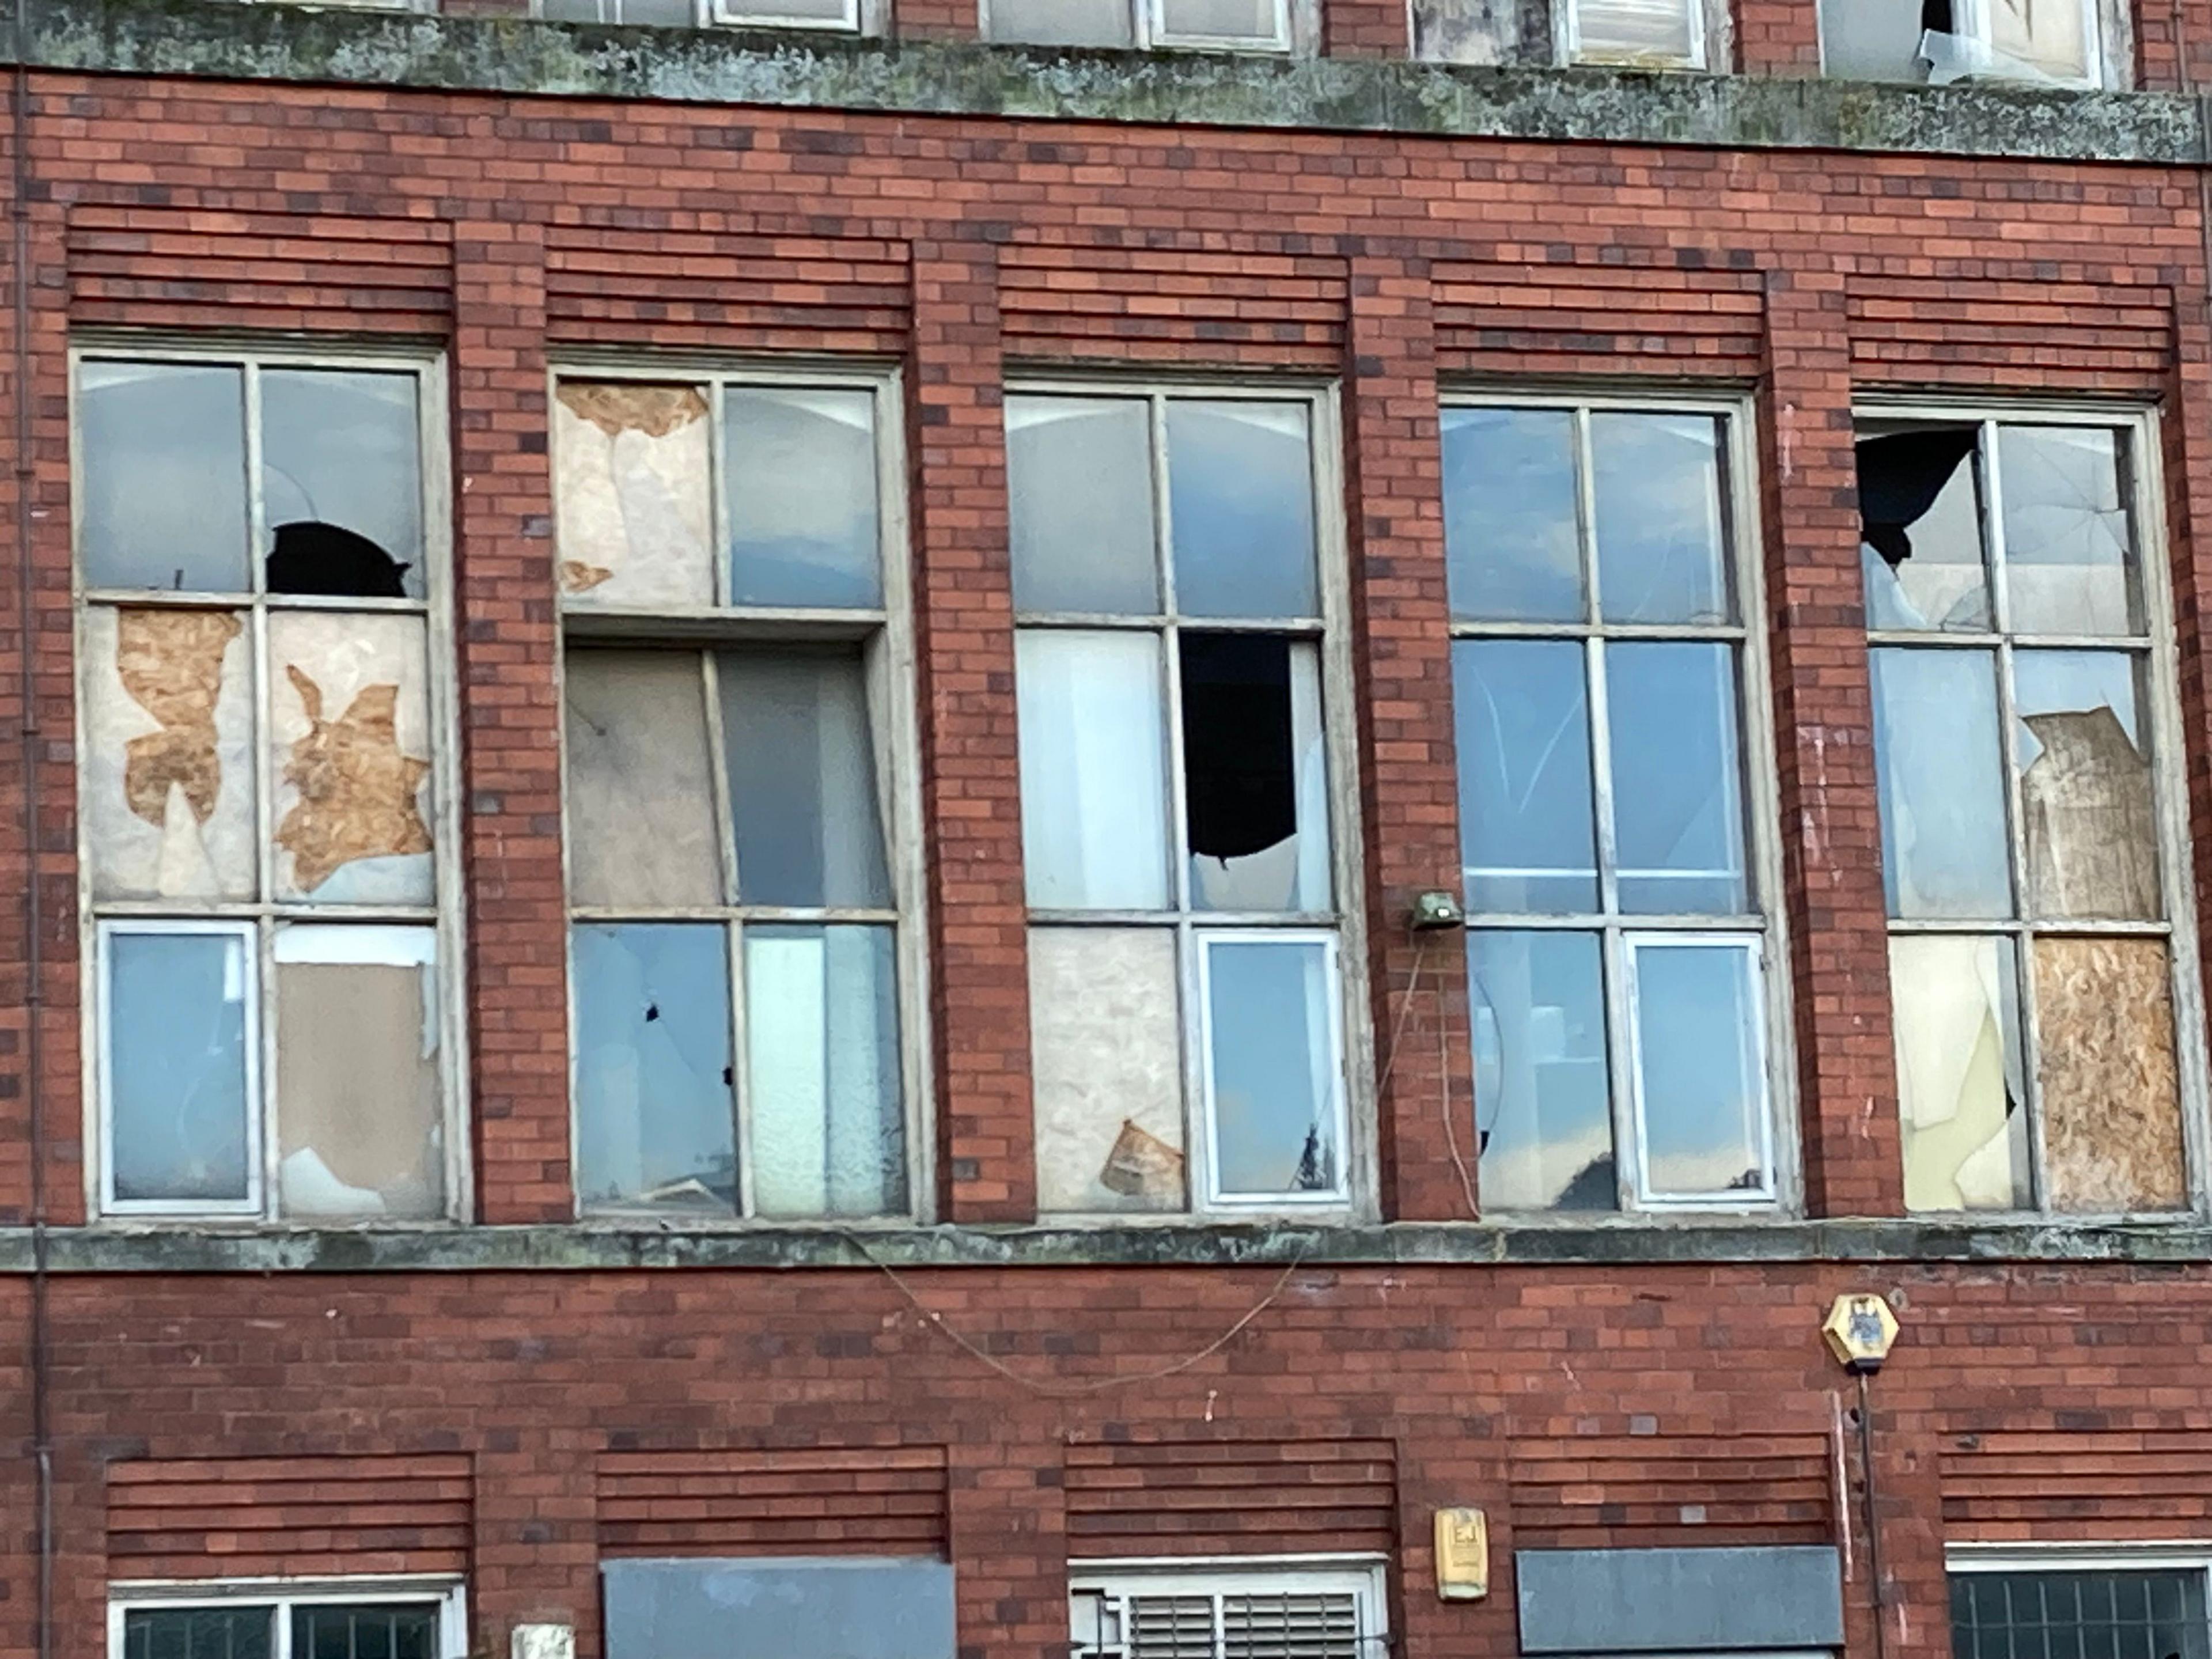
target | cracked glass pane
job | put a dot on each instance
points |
(1542, 1091)
(178, 1019)
(161, 476)
(2086, 800)
(342, 483)
(1954, 1003)
(1239, 487)
(1655, 481)
(799, 477)
(2068, 564)
(1943, 837)
(1526, 828)
(1510, 515)
(1920, 527)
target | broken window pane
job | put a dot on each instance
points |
(1677, 778)
(1060, 23)
(654, 1123)
(2085, 785)
(802, 766)
(800, 479)
(1079, 486)
(1701, 1083)
(225, 1632)
(634, 494)
(180, 1032)
(2050, 38)
(640, 795)
(342, 483)
(1943, 837)
(161, 476)
(1920, 529)
(1482, 32)
(828, 1134)
(1542, 1092)
(1255, 786)
(1240, 480)
(1104, 1025)
(1510, 515)
(167, 788)
(1248, 21)
(350, 744)
(1093, 759)
(2112, 1110)
(358, 1632)
(359, 1124)
(1871, 39)
(1955, 1004)
(2068, 567)
(1524, 775)
(1655, 481)
(1272, 1070)
(1635, 32)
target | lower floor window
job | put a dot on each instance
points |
(1268, 1610)
(355, 1620)
(2116, 1613)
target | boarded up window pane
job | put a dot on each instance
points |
(802, 767)
(179, 1032)
(1542, 1098)
(1655, 481)
(828, 1134)
(1510, 514)
(168, 763)
(2069, 565)
(1094, 769)
(1943, 837)
(1656, 32)
(641, 798)
(359, 1125)
(1104, 1025)
(1956, 1009)
(2112, 1114)
(800, 479)
(633, 483)
(1255, 782)
(1062, 22)
(350, 746)
(2085, 785)
(161, 476)
(342, 483)
(655, 1127)
(1271, 1067)
(1080, 487)
(1240, 482)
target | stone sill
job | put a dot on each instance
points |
(300, 43)
(201, 1249)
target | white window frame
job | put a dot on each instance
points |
(1360, 1576)
(1195, 929)
(1204, 942)
(1752, 946)
(2192, 1555)
(448, 1594)
(1294, 21)
(2144, 496)
(1566, 23)
(445, 916)
(707, 629)
(858, 17)
(1763, 930)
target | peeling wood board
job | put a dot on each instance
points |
(2111, 1112)
(634, 494)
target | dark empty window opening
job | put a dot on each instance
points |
(1238, 765)
(331, 561)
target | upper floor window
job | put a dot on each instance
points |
(2062, 42)
(1681, 35)
(1227, 1609)
(1228, 25)
(2009, 1608)
(849, 16)
(346, 1618)
(744, 959)
(1615, 806)
(2024, 732)
(262, 786)
(1177, 658)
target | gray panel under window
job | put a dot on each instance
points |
(232, 1633)
(857, 1609)
(365, 1632)
(2078, 1615)
(176, 1031)
(161, 476)
(1681, 1601)
(342, 483)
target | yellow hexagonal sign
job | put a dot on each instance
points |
(1860, 1329)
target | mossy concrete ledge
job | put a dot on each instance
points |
(183, 1248)
(301, 43)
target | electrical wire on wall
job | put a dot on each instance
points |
(1876, 1591)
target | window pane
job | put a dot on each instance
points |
(1255, 786)
(2102, 1614)
(1920, 529)
(1943, 839)
(634, 494)
(179, 1031)
(1079, 486)
(1105, 1027)
(349, 746)
(654, 1113)
(1524, 775)
(2111, 1101)
(800, 479)
(372, 1633)
(1272, 1066)
(1542, 1093)
(641, 798)
(664, 13)
(2048, 40)
(828, 1136)
(1656, 484)
(1677, 772)
(2085, 785)
(1510, 515)
(360, 1128)
(1240, 480)
(1220, 20)
(1872, 40)
(167, 785)
(803, 789)
(1061, 22)
(160, 492)
(1954, 1006)
(1633, 31)
(1700, 1071)
(1093, 756)
(234, 1633)
(2068, 567)
(342, 483)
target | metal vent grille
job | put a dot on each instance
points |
(1170, 1627)
(1230, 1623)
(1290, 1626)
